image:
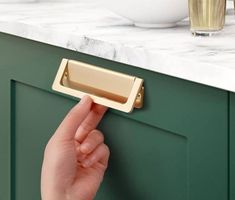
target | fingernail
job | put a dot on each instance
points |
(84, 148)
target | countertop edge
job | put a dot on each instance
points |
(108, 51)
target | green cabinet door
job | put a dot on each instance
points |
(175, 148)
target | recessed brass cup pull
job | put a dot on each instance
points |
(112, 89)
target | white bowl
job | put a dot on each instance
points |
(150, 13)
(17, 1)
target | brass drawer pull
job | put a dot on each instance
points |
(105, 87)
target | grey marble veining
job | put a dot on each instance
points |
(85, 26)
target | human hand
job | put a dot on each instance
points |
(75, 157)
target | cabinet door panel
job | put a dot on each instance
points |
(145, 161)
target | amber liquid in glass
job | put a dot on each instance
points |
(207, 16)
(234, 4)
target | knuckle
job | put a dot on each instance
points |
(98, 135)
(106, 148)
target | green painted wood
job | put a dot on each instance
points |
(5, 136)
(131, 152)
(232, 145)
(174, 148)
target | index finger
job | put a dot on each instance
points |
(90, 122)
(74, 118)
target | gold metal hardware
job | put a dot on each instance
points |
(112, 89)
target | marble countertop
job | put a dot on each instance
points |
(87, 27)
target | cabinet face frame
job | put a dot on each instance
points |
(211, 105)
(5, 136)
(232, 144)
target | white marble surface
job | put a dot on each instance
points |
(87, 27)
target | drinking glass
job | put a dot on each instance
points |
(207, 16)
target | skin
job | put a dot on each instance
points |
(75, 158)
